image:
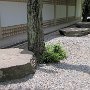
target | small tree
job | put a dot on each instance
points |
(35, 32)
(85, 9)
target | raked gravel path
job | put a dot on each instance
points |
(71, 74)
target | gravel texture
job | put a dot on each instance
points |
(72, 73)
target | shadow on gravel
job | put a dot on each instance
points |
(80, 68)
(65, 66)
(47, 70)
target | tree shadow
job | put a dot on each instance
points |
(47, 70)
(65, 66)
(80, 68)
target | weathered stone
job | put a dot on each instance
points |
(74, 31)
(83, 24)
(16, 63)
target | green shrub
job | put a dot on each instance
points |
(53, 53)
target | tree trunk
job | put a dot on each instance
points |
(35, 32)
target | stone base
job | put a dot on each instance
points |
(74, 31)
(16, 63)
(83, 24)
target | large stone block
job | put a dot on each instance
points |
(83, 24)
(74, 31)
(16, 63)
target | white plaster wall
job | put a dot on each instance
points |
(48, 12)
(60, 11)
(13, 13)
(71, 11)
(0, 19)
(78, 8)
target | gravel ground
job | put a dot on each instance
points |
(71, 74)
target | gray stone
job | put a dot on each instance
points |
(74, 31)
(16, 63)
(83, 24)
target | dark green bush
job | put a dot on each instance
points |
(53, 53)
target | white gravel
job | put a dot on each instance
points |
(70, 74)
